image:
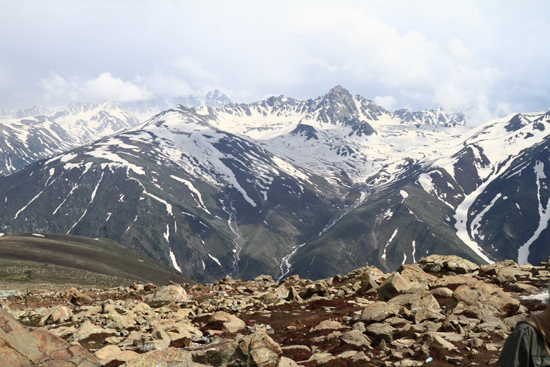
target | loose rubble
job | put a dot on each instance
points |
(441, 311)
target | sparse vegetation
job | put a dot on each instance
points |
(59, 259)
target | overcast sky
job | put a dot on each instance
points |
(486, 58)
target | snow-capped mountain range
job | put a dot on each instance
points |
(40, 132)
(284, 186)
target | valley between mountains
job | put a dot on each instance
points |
(281, 186)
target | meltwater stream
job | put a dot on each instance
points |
(285, 265)
(232, 223)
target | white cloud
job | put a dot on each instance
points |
(467, 55)
(107, 87)
(388, 102)
(164, 83)
(57, 87)
(104, 87)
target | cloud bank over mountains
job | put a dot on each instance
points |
(484, 58)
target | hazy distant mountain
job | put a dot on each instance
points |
(40, 132)
(145, 109)
(19, 114)
(23, 141)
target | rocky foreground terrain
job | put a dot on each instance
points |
(441, 311)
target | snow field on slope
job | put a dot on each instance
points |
(196, 144)
(544, 215)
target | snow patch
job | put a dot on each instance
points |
(29, 203)
(461, 213)
(168, 206)
(215, 259)
(288, 168)
(544, 215)
(167, 233)
(198, 198)
(476, 223)
(174, 263)
(67, 157)
(389, 241)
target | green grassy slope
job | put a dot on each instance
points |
(59, 258)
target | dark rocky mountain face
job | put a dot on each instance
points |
(284, 187)
(207, 202)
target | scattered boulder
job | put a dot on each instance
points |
(368, 282)
(329, 325)
(482, 299)
(81, 299)
(355, 337)
(169, 293)
(231, 323)
(379, 332)
(345, 321)
(20, 347)
(378, 311)
(87, 329)
(393, 286)
(319, 287)
(57, 315)
(112, 354)
(447, 263)
(260, 349)
(415, 273)
(415, 300)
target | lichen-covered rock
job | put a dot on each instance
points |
(379, 331)
(169, 293)
(260, 349)
(423, 314)
(393, 286)
(319, 287)
(87, 329)
(112, 353)
(19, 347)
(231, 323)
(378, 311)
(81, 299)
(445, 263)
(329, 325)
(452, 281)
(511, 275)
(116, 320)
(414, 273)
(58, 315)
(492, 269)
(435, 340)
(164, 358)
(415, 300)
(481, 299)
(355, 337)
